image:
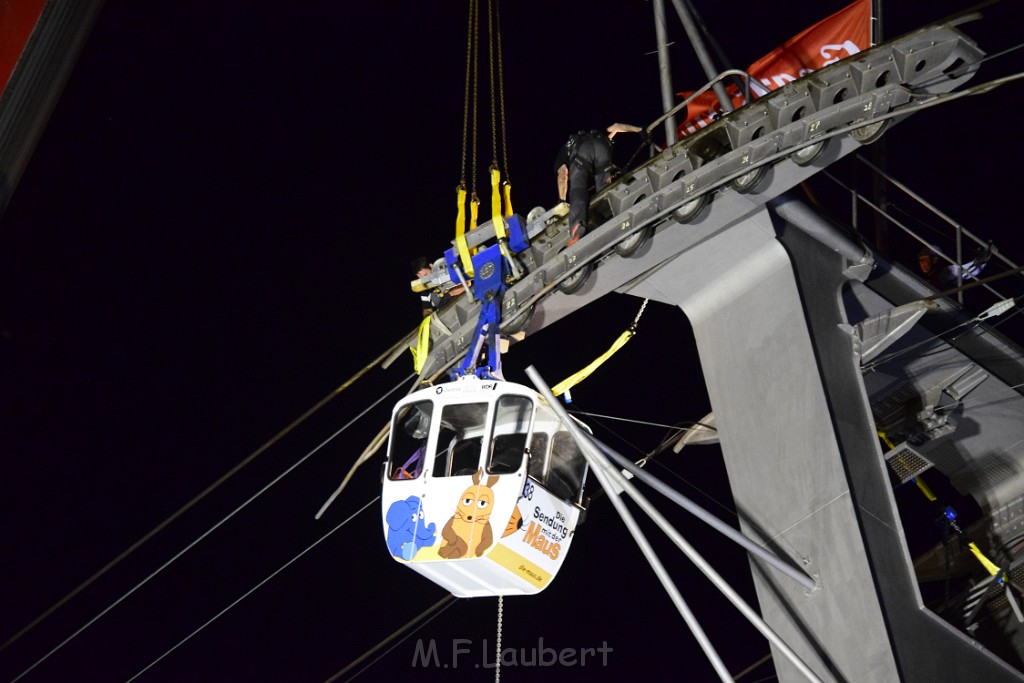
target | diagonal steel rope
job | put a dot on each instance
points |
(205, 492)
(205, 534)
(251, 591)
(648, 456)
(438, 607)
(675, 427)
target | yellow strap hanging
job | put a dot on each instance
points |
(507, 192)
(925, 490)
(460, 232)
(573, 380)
(917, 480)
(496, 219)
(422, 348)
(474, 212)
(987, 563)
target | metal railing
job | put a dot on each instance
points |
(958, 233)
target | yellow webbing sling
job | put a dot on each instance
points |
(460, 231)
(568, 383)
(573, 380)
(507, 193)
(989, 565)
(422, 348)
(985, 562)
(496, 218)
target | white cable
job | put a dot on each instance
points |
(202, 536)
(249, 592)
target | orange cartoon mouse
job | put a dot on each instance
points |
(469, 529)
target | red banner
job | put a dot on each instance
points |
(845, 33)
(17, 19)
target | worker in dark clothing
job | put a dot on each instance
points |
(585, 158)
(946, 276)
(422, 267)
(432, 300)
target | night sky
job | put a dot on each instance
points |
(215, 232)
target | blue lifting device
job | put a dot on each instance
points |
(493, 272)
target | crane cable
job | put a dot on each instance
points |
(472, 69)
(498, 188)
(507, 185)
(501, 191)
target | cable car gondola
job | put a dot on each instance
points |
(482, 488)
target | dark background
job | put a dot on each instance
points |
(215, 232)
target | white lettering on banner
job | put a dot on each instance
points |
(827, 51)
(762, 85)
(701, 123)
(832, 39)
(830, 53)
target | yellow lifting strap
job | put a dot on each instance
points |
(422, 348)
(474, 212)
(506, 189)
(496, 218)
(460, 232)
(987, 563)
(925, 490)
(572, 381)
(917, 480)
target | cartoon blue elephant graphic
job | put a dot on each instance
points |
(407, 532)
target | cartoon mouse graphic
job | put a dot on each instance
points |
(407, 532)
(469, 529)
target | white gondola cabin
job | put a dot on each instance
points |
(482, 489)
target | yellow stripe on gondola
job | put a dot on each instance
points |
(519, 565)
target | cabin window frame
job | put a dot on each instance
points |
(521, 430)
(402, 437)
(445, 461)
